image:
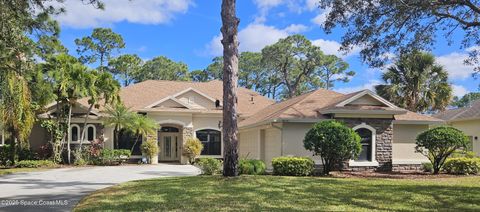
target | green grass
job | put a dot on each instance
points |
(4, 171)
(273, 193)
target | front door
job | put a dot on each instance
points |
(169, 147)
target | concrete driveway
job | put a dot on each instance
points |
(61, 189)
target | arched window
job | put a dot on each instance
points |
(211, 140)
(74, 133)
(366, 141)
(169, 129)
(91, 132)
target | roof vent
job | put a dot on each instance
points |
(217, 103)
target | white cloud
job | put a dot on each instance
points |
(81, 15)
(296, 28)
(267, 3)
(453, 64)
(369, 85)
(333, 47)
(459, 90)
(252, 38)
(312, 4)
(321, 17)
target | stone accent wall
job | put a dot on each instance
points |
(407, 167)
(187, 132)
(384, 137)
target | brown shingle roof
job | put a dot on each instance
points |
(310, 105)
(140, 95)
(469, 112)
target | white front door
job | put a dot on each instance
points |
(169, 145)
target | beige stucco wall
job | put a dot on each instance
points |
(199, 101)
(404, 136)
(470, 128)
(293, 135)
(249, 143)
(272, 144)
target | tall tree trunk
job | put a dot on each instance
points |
(134, 144)
(115, 139)
(68, 130)
(230, 79)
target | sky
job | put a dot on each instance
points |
(189, 31)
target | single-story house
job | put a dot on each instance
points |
(466, 119)
(266, 129)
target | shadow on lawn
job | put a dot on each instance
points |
(283, 193)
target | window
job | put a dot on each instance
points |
(366, 141)
(169, 129)
(91, 132)
(211, 140)
(74, 133)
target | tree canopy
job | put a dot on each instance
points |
(381, 27)
(99, 46)
(465, 100)
(162, 68)
(126, 67)
(415, 82)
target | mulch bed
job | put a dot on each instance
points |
(390, 175)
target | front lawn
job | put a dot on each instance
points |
(255, 193)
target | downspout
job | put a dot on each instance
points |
(281, 135)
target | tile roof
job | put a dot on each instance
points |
(140, 95)
(468, 112)
(310, 105)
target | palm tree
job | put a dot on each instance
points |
(230, 77)
(417, 83)
(120, 117)
(142, 126)
(102, 87)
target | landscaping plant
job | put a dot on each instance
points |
(292, 166)
(437, 144)
(251, 167)
(150, 149)
(209, 166)
(462, 165)
(192, 149)
(333, 142)
(35, 164)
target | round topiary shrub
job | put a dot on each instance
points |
(333, 142)
(437, 144)
(209, 166)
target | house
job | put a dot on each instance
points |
(466, 119)
(388, 132)
(266, 129)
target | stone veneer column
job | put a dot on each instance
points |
(384, 138)
(155, 138)
(187, 132)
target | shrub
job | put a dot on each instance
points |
(427, 167)
(292, 166)
(333, 142)
(192, 149)
(35, 164)
(251, 167)
(437, 144)
(114, 156)
(5, 155)
(150, 149)
(462, 165)
(209, 166)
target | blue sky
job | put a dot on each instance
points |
(189, 31)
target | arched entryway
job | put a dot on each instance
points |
(170, 142)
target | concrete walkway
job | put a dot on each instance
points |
(61, 189)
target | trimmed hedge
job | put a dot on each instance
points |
(292, 166)
(462, 166)
(35, 164)
(114, 156)
(209, 166)
(251, 167)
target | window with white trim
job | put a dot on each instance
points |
(366, 141)
(74, 133)
(91, 132)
